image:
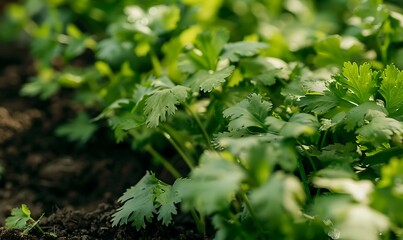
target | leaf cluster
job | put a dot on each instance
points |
(276, 120)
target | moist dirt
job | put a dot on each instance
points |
(76, 188)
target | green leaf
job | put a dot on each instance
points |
(189, 63)
(211, 44)
(212, 185)
(113, 51)
(373, 14)
(392, 174)
(329, 51)
(40, 87)
(262, 158)
(392, 90)
(268, 77)
(233, 51)
(239, 141)
(125, 122)
(356, 116)
(208, 80)
(19, 218)
(384, 156)
(359, 82)
(343, 217)
(162, 103)
(379, 128)
(26, 210)
(299, 124)
(75, 47)
(318, 103)
(159, 19)
(288, 198)
(359, 190)
(389, 202)
(166, 197)
(79, 129)
(250, 112)
(260, 153)
(328, 103)
(338, 170)
(206, 51)
(138, 203)
(46, 49)
(144, 199)
(230, 230)
(339, 153)
(388, 197)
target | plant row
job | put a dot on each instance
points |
(285, 119)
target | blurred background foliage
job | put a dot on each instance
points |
(104, 48)
(294, 29)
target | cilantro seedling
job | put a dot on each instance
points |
(21, 219)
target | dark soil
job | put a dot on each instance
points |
(76, 188)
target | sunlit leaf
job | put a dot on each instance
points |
(206, 81)
(162, 103)
(392, 90)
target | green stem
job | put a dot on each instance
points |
(156, 64)
(250, 209)
(239, 225)
(323, 140)
(170, 135)
(200, 223)
(200, 125)
(384, 51)
(304, 180)
(167, 165)
(383, 44)
(247, 204)
(35, 224)
(308, 156)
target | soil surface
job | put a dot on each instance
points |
(76, 188)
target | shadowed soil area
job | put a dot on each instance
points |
(76, 188)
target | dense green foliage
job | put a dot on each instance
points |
(288, 117)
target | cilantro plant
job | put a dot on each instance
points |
(279, 143)
(21, 219)
(276, 119)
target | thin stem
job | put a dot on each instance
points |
(238, 224)
(200, 224)
(200, 125)
(35, 224)
(323, 140)
(167, 165)
(170, 135)
(251, 211)
(304, 180)
(317, 193)
(259, 227)
(383, 47)
(156, 64)
(248, 205)
(308, 156)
